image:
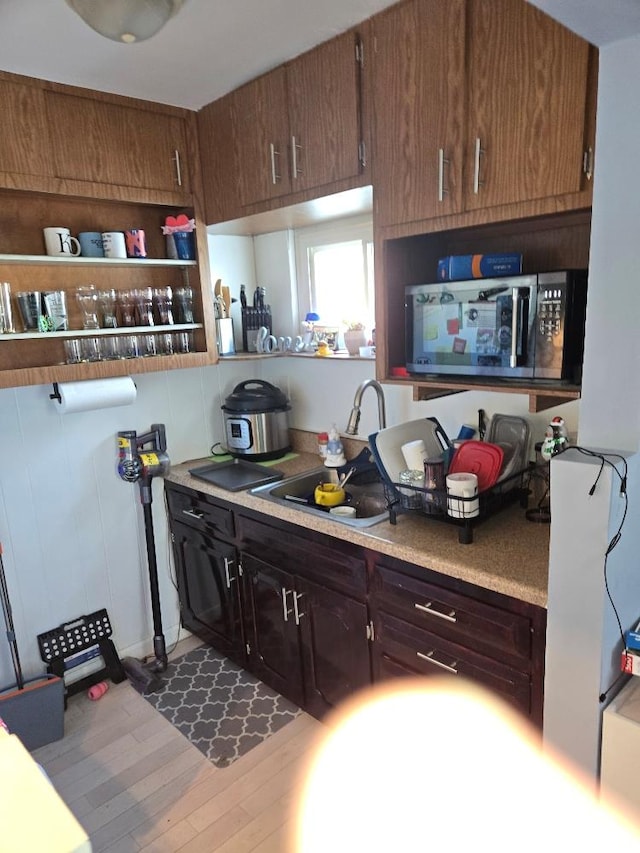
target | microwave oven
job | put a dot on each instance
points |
(523, 326)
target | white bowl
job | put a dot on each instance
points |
(344, 511)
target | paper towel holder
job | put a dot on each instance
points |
(56, 395)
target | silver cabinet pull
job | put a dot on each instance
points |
(275, 177)
(442, 161)
(428, 608)
(587, 163)
(430, 658)
(477, 183)
(294, 158)
(296, 613)
(227, 574)
(176, 159)
(285, 611)
(193, 514)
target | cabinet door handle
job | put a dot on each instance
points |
(285, 611)
(430, 658)
(275, 177)
(294, 158)
(442, 162)
(477, 183)
(193, 514)
(227, 574)
(428, 608)
(176, 158)
(296, 613)
(587, 163)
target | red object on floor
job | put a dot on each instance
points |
(97, 691)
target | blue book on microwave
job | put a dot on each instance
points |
(464, 267)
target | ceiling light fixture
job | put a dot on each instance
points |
(126, 21)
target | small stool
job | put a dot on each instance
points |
(61, 643)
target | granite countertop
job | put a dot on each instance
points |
(508, 554)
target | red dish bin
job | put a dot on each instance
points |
(480, 458)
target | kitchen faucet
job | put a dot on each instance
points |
(354, 417)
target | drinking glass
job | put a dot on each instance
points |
(184, 304)
(126, 308)
(163, 299)
(87, 298)
(73, 351)
(6, 314)
(107, 302)
(144, 306)
(30, 310)
(91, 350)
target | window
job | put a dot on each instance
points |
(334, 269)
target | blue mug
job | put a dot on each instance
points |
(91, 244)
(185, 249)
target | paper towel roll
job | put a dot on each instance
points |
(95, 394)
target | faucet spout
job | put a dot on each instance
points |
(354, 417)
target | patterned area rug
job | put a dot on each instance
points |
(222, 709)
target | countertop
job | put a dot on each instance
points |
(508, 554)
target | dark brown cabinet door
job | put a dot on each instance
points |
(23, 136)
(324, 114)
(117, 144)
(208, 589)
(262, 135)
(335, 646)
(272, 632)
(418, 110)
(527, 100)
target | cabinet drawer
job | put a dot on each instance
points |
(454, 616)
(402, 648)
(336, 564)
(197, 511)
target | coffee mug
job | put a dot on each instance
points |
(59, 242)
(91, 244)
(114, 244)
(462, 495)
(135, 242)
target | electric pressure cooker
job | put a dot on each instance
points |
(256, 421)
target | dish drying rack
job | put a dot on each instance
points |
(432, 503)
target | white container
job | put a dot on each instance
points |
(461, 488)
(414, 453)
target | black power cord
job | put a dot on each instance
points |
(604, 460)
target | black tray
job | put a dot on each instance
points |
(237, 474)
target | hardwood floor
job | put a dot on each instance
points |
(136, 784)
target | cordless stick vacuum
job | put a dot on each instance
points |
(140, 459)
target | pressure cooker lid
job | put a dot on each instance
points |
(255, 395)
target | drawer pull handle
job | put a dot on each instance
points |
(427, 608)
(193, 514)
(430, 658)
(285, 610)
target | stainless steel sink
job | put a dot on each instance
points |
(295, 492)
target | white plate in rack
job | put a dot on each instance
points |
(386, 445)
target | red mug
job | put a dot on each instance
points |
(136, 244)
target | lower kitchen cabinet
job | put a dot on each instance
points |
(273, 649)
(207, 572)
(318, 618)
(429, 624)
(307, 625)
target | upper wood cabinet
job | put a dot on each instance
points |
(484, 105)
(526, 106)
(24, 148)
(300, 126)
(418, 106)
(98, 142)
(220, 175)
